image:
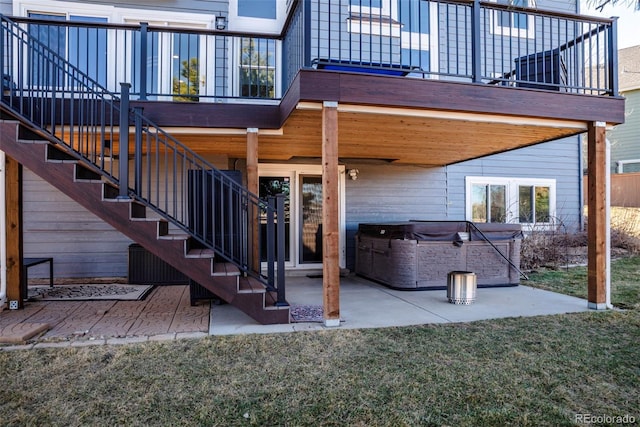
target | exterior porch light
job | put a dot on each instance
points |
(353, 174)
(221, 22)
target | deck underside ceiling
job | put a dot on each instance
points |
(395, 135)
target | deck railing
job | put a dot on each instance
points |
(92, 123)
(458, 40)
(469, 41)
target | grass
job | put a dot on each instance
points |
(535, 371)
(625, 277)
(525, 371)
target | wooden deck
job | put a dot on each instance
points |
(166, 310)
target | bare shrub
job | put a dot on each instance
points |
(547, 246)
(554, 246)
(625, 228)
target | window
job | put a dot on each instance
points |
(84, 48)
(414, 36)
(366, 3)
(376, 17)
(510, 23)
(265, 9)
(377, 7)
(512, 200)
(533, 204)
(257, 74)
(257, 16)
(174, 62)
(185, 67)
(414, 16)
(488, 203)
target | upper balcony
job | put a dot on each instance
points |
(461, 56)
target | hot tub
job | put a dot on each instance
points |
(418, 255)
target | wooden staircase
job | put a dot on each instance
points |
(39, 152)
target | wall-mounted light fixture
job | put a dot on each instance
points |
(353, 174)
(221, 22)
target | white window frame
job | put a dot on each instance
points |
(294, 172)
(389, 10)
(511, 31)
(62, 9)
(247, 24)
(512, 186)
(234, 75)
(130, 15)
(165, 58)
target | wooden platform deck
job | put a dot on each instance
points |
(166, 310)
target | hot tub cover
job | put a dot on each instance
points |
(440, 230)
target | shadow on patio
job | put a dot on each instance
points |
(366, 304)
(166, 313)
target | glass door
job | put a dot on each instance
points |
(272, 186)
(302, 186)
(310, 201)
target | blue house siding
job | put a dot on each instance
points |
(557, 160)
(625, 138)
(392, 193)
(192, 6)
(383, 192)
(332, 40)
(401, 193)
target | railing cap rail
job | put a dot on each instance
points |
(213, 31)
(537, 11)
(150, 28)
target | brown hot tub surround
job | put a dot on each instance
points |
(418, 255)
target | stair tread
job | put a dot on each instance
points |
(250, 285)
(277, 307)
(175, 236)
(222, 278)
(225, 269)
(200, 253)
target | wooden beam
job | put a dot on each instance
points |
(252, 186)
(13, 200)
(330, 215)
(597, 215)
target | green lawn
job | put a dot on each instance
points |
(534, 371)
(625, 281)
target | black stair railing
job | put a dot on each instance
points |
(94, 125)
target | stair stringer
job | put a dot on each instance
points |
(253, 300)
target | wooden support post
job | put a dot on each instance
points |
(13, 200)
(597, 215)
(330, 214)
(252, 186)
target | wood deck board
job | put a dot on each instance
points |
(79, 321)
(188, 318)
(166, 310)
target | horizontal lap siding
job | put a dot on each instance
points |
(557, 160)
(625, 138)
(385, 193)
(331, 40)
(81, 244)
(206, 6)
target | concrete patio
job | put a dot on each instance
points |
(166, 313)
(366, 304)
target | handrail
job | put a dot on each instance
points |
(74, 110)
(486, 239)
(463, 49)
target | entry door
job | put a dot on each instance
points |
(310, 201)
(271, 186)
(302, 187)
